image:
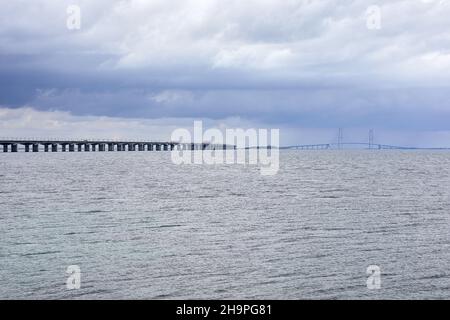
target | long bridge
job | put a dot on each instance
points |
(83, 145)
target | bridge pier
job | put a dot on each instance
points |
(87, 147)
(54, 147)
(14, 147)
(5, 148)
(94, 147)
(71, 147)
(63, 147)
(110, 147)
(27, 148)
(79, 147)
(45, 147)
(35, 148)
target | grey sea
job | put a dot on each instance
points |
(139, 226)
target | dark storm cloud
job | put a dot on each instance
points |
(299, 63)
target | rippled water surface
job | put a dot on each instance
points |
(141, 227)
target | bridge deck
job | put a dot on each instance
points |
(55, 145)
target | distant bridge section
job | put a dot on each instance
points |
(309, 147)
(352, 145)
(363, 145)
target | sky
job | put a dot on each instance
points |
(140, 69)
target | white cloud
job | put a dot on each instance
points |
(29, 122)
(265, 34)
(254, 56)
(172, 96)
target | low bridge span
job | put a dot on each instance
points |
(63, 145)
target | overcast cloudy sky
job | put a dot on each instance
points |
(141, 68)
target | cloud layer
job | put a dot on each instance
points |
(294, 64)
